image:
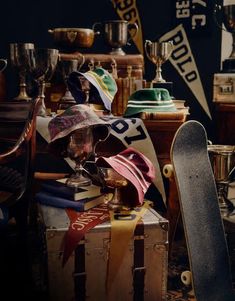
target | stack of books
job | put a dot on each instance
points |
(57, 194)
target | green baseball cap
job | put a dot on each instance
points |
(149, 100)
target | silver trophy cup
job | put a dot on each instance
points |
(158, 53)
(41, 65)
(116, 34)
(19, 56)
(222, 159)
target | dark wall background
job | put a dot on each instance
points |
(29, 21)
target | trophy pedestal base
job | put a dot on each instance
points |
(229, 66)
(166, 85)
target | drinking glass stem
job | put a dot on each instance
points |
(67, 95)
(87, 93)
(22, 93)
(78, 170)
(41, 95)
(116, 196)
(158, 77)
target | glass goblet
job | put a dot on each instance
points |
(19, 56)
(42, 64)
(116, 181)
(79, 148)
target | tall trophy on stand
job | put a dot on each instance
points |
(227, 13)
(19, 56)
(67, 67)
(158, 53)
(41, 65)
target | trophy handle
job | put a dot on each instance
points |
(136, 28)
(83, 59)
(94, 27)
(171, 46)
(146, 47)
(4, 65)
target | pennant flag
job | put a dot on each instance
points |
(127, 10)
(80, 223)
(183, 61)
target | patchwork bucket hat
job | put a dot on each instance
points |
(135, 167)
(74, 118)
(101, 79)
(149, 100)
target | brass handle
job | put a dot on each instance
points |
(146, 47)
(136, 28)
(94, 28)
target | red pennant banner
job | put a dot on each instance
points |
(80, 223)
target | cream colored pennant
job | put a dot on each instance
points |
(183, 61)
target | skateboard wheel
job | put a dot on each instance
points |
(186, 278)
(168, 170)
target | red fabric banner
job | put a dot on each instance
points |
(80, 223)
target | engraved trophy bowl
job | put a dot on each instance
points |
(222, 158)
(116, 181)
(19, 57)
(158, 53)
(227, 12)
(67, 67)
(116, 34)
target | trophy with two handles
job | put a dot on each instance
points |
(158, 53)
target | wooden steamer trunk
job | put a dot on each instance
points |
(74, 283)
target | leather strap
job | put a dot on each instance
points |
(79, 272)
(139, 268)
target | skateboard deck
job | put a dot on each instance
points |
(203, 227)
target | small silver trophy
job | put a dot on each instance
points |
(115, 181)
(158, 53)
(19, 56)
(41, 65)
(67, 67)
(222, 159)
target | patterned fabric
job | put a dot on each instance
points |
(101, 79)
(135, 167)
(129, 132)
(75, 117)
(149, 100)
